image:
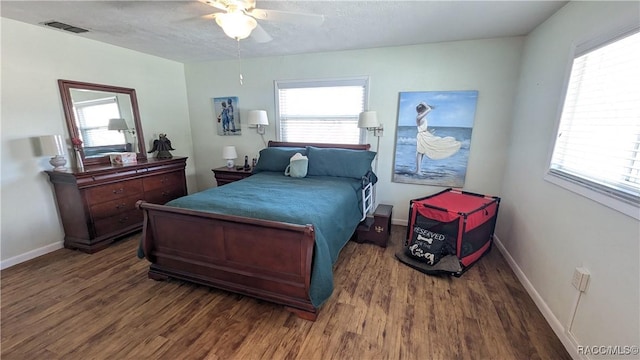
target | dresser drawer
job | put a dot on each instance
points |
(118, 222)
(161, 196)
(114, 191)
(164, 181)
(114, 207)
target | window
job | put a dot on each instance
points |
(322, 111)
(93, 120)
(598, 141)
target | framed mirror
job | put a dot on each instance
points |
(105, 118)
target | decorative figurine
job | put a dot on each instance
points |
(254, 162)
(162, 146)
(246, 163)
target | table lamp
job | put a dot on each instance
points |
(54, 145)
(229, 153)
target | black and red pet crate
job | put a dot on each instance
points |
(449, 231)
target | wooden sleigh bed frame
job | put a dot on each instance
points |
(211, 249)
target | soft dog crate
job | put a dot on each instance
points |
(452, 229)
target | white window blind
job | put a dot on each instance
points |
(93, 120)
(324, 111)
(598, 140)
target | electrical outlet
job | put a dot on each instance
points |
(575, 280)
(580, 278)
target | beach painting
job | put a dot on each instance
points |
(433, 137)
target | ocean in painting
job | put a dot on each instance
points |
(449, 172)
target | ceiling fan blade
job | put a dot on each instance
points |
(259, 35)
(287, 16)
(211, 16)
(191, 19)
(215, 3)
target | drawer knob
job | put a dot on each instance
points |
(120, 206)
(124, 219)
(118, 191)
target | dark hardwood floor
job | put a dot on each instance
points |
(72, 305)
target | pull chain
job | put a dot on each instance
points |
(239, 63)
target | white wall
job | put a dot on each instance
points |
(33, 59)
(547, 230)
(489, 66)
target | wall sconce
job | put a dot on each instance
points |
(259, 119)
(229, 153)
(118, 124)
(369, 120)
(54, 145)
(121, 126)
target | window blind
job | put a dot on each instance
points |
(598, 140)
(93, 121)
(321, 111)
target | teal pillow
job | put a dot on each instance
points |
(339, 162)
(276, 158)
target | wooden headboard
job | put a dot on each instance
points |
(340, 146)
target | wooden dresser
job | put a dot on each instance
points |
(97, 206)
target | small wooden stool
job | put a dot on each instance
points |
(376, 229)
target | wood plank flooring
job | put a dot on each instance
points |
(71, 305)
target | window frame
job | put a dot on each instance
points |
(591, 190)
(310, 83)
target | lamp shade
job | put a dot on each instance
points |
(236, 24)
(229, 153)
(368, 119)
(52, 145)
(117, 124)
(258, 117)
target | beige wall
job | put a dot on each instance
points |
(33, 59)
(489, 66)
(547, 230)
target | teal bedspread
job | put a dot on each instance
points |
(330, 204)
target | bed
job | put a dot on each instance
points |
(268, 236)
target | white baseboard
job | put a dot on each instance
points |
(30, 255)
(567, 340)
(402, 222)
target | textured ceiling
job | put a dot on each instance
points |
(177, 30)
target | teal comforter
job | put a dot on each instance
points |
(330, 204)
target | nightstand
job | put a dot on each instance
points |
(224, 175)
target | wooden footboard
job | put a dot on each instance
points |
(264, 259)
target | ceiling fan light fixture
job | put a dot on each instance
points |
(236, 24)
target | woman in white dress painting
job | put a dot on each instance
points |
(433, 146)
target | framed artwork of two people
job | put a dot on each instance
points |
(227, 115)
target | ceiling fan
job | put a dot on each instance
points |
(238, 19)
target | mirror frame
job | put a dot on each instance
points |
(67, 103)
